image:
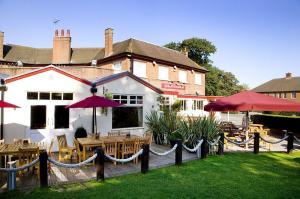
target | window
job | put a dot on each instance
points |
(32, 95)
(284, 95)
(293, 95)
(38, 117)
(117, 67)
(163, 73)
(183, 105)
(56, 96)
(198, 79)
(44, 96)
(197, 105)
(139, 69)
(68, 96)
(182, 76)
(120, 98)
(126, 117)
(136, 99)
(61, 117)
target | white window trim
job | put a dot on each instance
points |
(198, 83)
(160, 75)
(179, 79)
(117, 63)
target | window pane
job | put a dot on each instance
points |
(124, 117)
(32, 95)
(163, 73)
(38, 117)
(182, 76)
(139, 68)
(198, 79)
(44, 96)
(56, 96)
(68, 96)
(61, 117)
(117, 67)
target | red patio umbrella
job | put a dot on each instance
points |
(94, 102)
(4, 104)
(251, 101)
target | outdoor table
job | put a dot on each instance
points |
(13, 148)
(90, 142)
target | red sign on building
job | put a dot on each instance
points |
(172, 86)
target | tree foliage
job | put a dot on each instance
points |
(218, 82)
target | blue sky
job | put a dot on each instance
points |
(257, 40)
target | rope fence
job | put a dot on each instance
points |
(239, 143)
(193, 149)
(164, 153)
(297, 140)
(80, 164)
(126, 159)
(274, 142)
(215, 142)
(26, 166)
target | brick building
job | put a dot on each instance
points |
(286, 88)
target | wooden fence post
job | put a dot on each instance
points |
(256, 143)
(100, 164)
(145, 158)
(221, 144)
(290, 142)
(204, 148)
(178, 152)
(43, 169)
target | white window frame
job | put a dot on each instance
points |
(163, 73)
(197, 104)
(140, 68)
(129, 100)
(198, 78)
(292, 95)
(182, 76)
(117, 66)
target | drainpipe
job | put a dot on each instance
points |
(94, 120)
(3, 88)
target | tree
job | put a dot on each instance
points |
(218, 82)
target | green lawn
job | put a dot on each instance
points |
(234, 175)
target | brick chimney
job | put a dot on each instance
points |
(61, 53)
(288, 75)
(1, 45)
(108, 42)
(185, 51)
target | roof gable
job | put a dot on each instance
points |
(42, 70)
(126, 74)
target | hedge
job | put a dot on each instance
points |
(278, 122)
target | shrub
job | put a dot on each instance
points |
(80, 133)
(290, 123)
(154, 124)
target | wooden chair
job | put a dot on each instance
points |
(2, 142)
(124, 133)
(149, 136)
(115, 133)
(17, 140)
(128, 147)
(79, 154)
(111, 148)
(64, 151)
(28, 155)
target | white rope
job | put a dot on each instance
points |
(60, 164)
(195, 148)
(298, 140)
(125, 160)
(26, 166)
(274, 142)
(239, 143)
(164, 153)
(215, 142)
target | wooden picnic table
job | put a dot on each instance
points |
(13, 148)
(90, 142)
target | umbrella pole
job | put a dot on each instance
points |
(247, 128)
(93, 121)
(96, 120)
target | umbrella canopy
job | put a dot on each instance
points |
(251, 101)
(4, 104)
(93, 102)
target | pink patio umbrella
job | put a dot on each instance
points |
(94, 102)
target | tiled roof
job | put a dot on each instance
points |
(31, 55)
(280, 85)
